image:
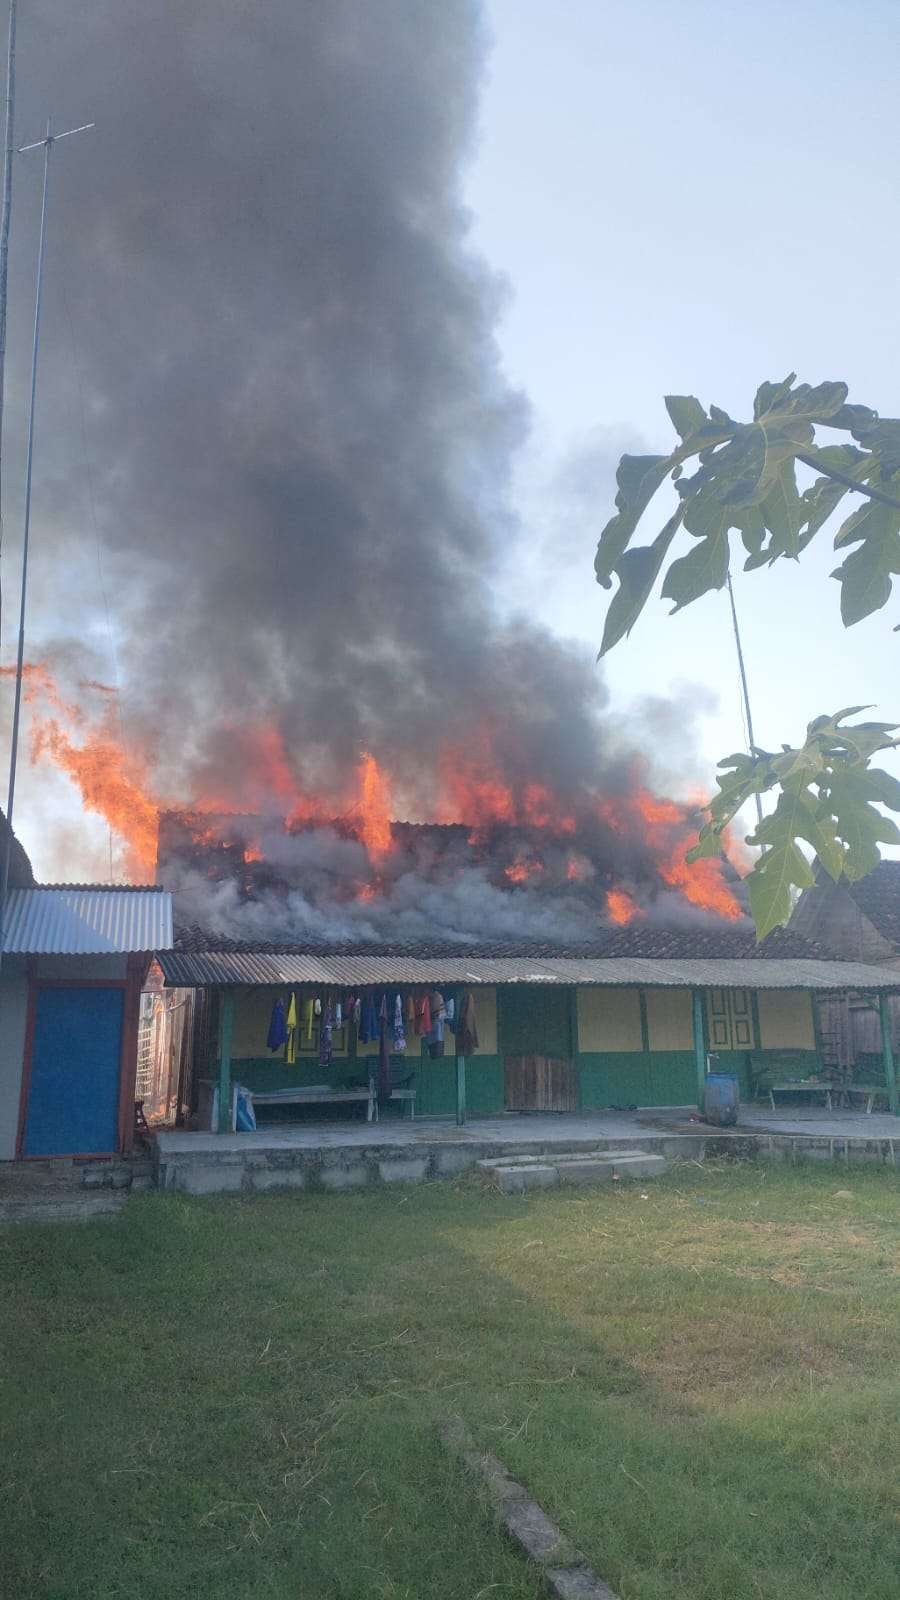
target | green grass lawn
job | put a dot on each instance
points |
(697, 1378)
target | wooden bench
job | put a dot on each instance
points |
(800, 1087)
(318, 1094)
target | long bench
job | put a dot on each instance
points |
(317, 1094)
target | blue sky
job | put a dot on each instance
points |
(691, 199)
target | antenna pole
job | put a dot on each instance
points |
(46, 144)
(745, 690)
(5, 214)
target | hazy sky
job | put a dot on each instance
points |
(689, 199)
(680, 198)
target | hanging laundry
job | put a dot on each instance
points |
(318, 1006)
(467, 1029)
(290, 1043)
(399, 1035)
(277, 1033)
(308, 1017)
(423, 1015)
(410, 1013)
(384, 1063)
(383, 1009)
(338, 1015)
(325, 1037)
(450, 1008)
(368, 1023)
(357, 1010)
(438, 1017)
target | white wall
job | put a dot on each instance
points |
(13, 1008)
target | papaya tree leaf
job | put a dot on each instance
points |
(687, 414)
(638, 478)
(637, 571)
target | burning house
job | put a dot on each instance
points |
(604, 986)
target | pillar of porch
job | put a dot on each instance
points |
(887, 1051)
(699, 1021)
(226, 1020)
(460, 1091)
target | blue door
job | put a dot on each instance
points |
(73, 1092)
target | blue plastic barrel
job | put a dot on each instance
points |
(722, 1099)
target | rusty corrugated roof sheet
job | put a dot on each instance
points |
(205, 969)
(86, 919)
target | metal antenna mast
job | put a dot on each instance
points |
(46, 144)
(5, 214)
(745, 690)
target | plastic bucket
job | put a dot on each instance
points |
(722, 1098)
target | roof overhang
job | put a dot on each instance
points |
(215, 969)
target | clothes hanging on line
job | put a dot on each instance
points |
(290, 1043)
(325, 1039)
(277, 1033)
(399, 1035)
(308, 1017)
(368, 1022)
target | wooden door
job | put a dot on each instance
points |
(730, 1018)
(540, 1083)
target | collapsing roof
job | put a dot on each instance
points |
(86, 919)
(646, 957)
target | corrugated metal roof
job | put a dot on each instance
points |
(86, 919)
(212, 968)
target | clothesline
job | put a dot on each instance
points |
(376, 1018)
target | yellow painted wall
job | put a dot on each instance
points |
(609, 1019)
(252, 1014)
(786, 1020)
(669, 1022)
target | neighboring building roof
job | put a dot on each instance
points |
(878, 898)
(21, 875)
(79, 919)
(647, 957)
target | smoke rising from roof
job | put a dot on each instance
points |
(292, 398)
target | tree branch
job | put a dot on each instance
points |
(851, 483)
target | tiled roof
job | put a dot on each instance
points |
(726, 943)
(878, 898)
(650, 957)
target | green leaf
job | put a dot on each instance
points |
(865, 576)
(768, 395)
(814, 404)
(782, 514)
(752, 528)
(638, 478)
(637, 571)
(687, 414)
(708, 844)
(769, 887)
(706, 566)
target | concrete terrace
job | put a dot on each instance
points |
(342, 1155)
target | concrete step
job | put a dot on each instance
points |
(514, 1177)
(74, 1208)
(516, 1174)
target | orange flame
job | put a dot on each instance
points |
(523, 868)
(620, 907)
(113, 784)
(374, 806)
(671, 835)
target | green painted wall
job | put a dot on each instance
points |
(638, 1078)
(626, 1078)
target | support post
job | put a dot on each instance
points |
(460, 1091)
(699, 1045)
(226, 1019)
(887, 1051)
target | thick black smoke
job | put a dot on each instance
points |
(270, 366)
